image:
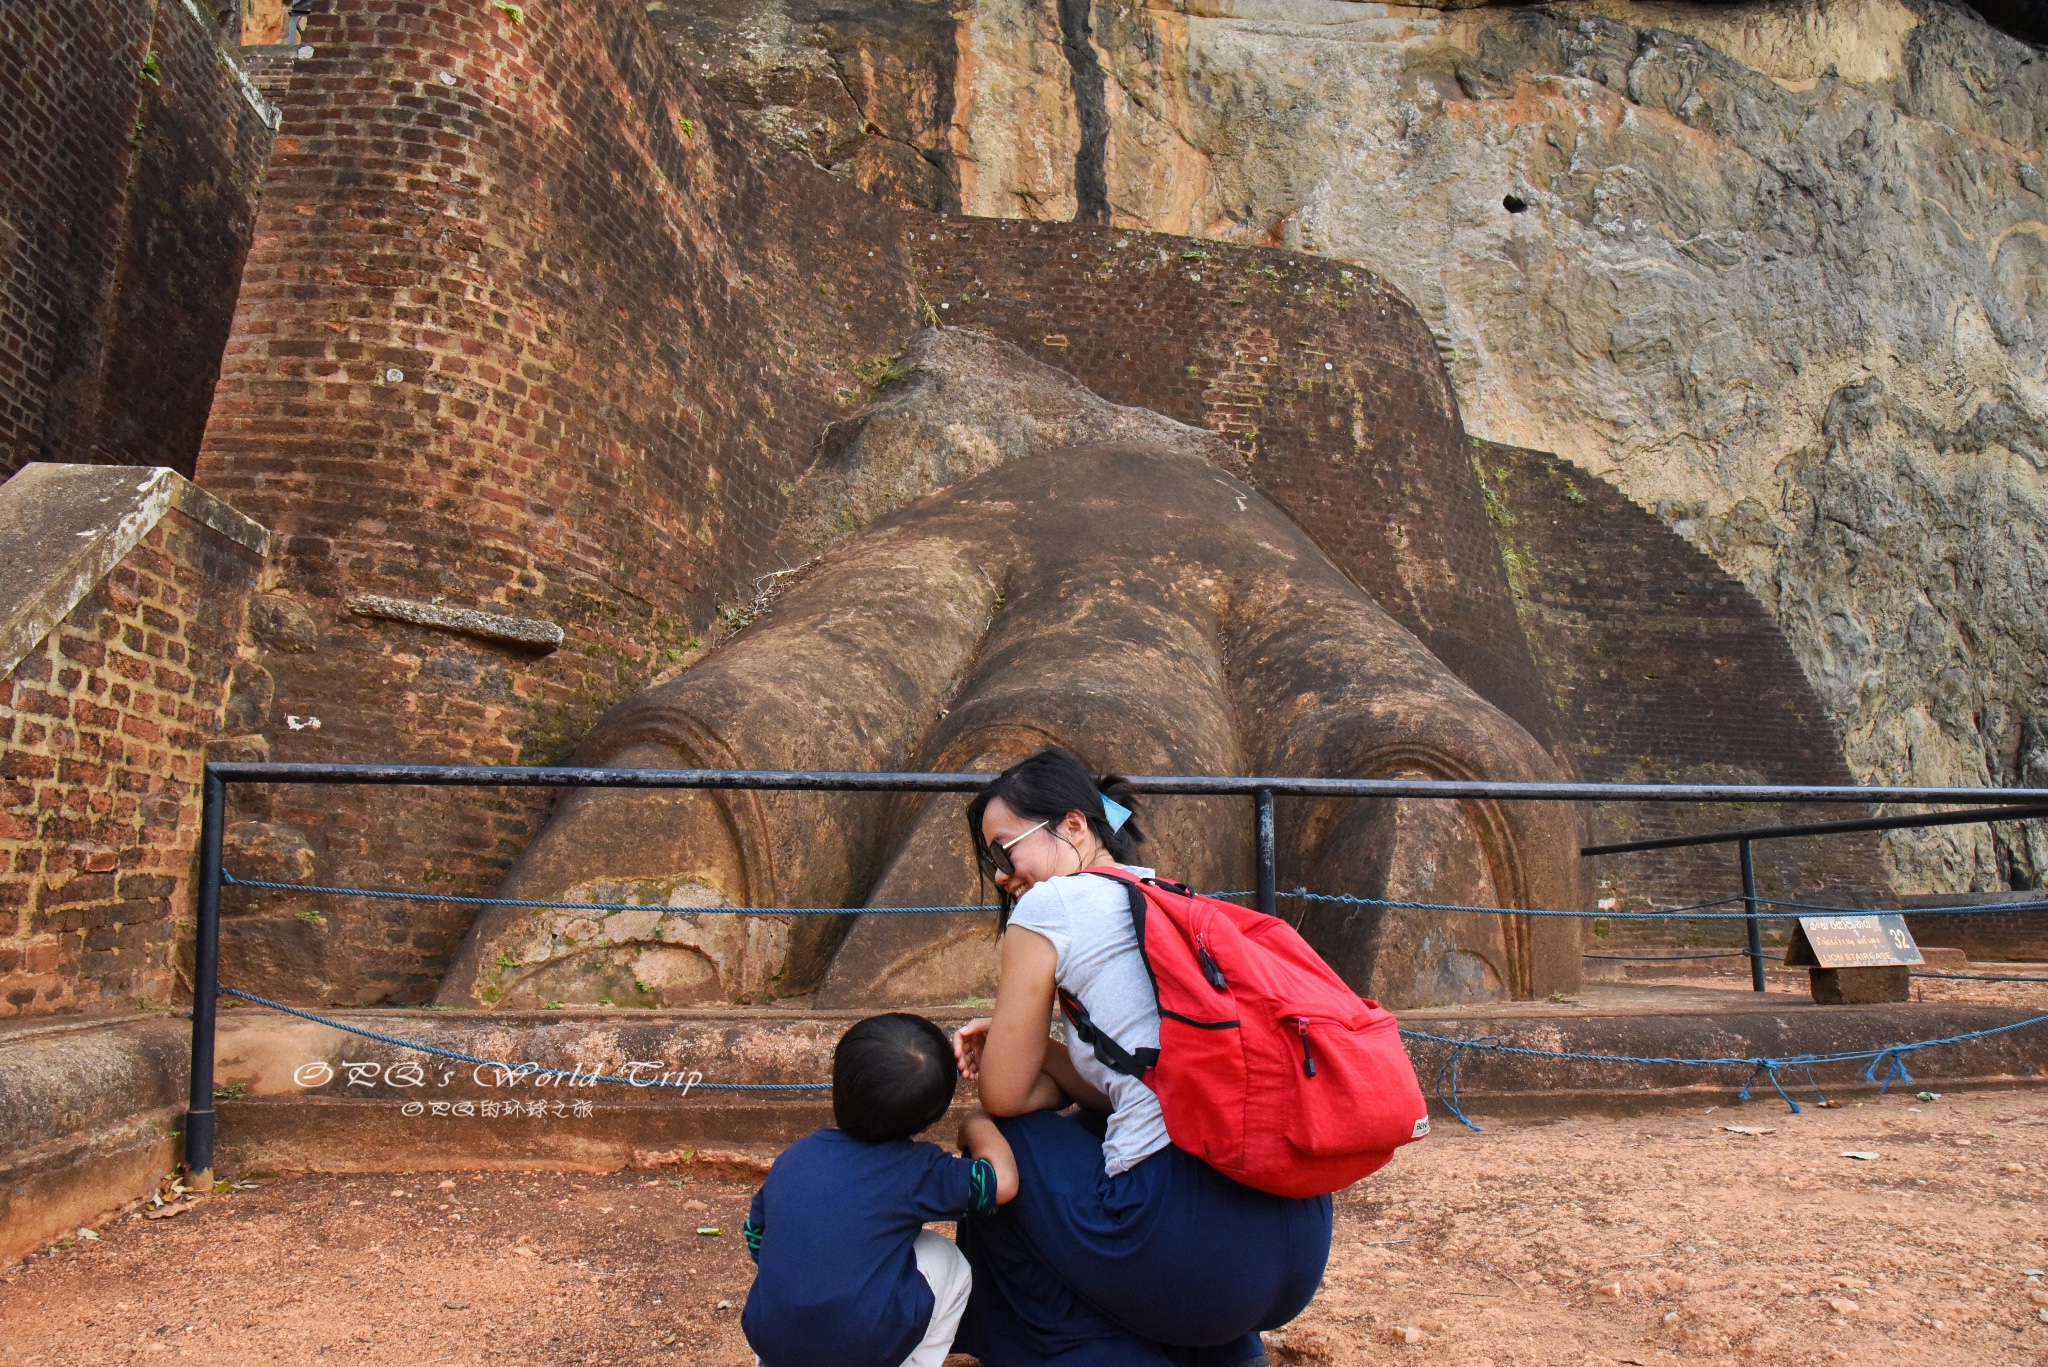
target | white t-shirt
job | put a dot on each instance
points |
(1088, 920)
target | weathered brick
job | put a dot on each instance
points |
(83, 649)
(147, 885)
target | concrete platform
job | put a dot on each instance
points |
(298, 1104)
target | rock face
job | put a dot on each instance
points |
(1777, 272)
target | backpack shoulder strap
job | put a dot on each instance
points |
(1112, 1055)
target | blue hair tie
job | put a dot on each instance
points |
(1116, 812)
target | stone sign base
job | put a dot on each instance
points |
(1860, 986)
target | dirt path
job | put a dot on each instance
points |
(1647, 1240)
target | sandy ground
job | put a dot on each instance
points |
(1645, 1239)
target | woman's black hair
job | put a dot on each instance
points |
(1046, 787)
(892, 1076)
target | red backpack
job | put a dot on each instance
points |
(1269, 1069)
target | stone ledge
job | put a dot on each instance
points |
(531, 632)
(63, 1078)
(277, 1123)
(89, 1112)
(63, 528)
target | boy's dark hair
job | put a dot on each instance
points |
(892, 1076)
(1046, 787)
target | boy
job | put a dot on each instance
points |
(848, 1273)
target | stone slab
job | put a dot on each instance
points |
(89, 1111)
(1857, 986)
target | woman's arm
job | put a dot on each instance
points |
(1012, 1055)
(1061, 1074)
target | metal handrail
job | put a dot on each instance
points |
(1875, 823)
(200, 1132)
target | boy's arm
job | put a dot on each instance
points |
(751, 1230)
(981, 1140)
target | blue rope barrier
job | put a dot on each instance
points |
(1964, 909)
(1695, 911)
(229, 880)
(1891, 1058)
(1681, 958)
(523, 1069)
(457, 899)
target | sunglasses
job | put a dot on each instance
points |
(995, 856)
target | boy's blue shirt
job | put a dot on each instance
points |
(834, 1228)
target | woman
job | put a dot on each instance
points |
(1120, 1250)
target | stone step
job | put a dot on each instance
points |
(305, 1096)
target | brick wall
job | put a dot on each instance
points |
(68, 102)
(1989, 936)
(531, 325)
(201, 140)
(1666, 669)
(104, 726)
(128, 179)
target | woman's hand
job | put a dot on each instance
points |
(967, 1042)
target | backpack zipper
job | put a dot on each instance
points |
(1210, 969)
(1308, 1062)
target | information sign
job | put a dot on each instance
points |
(1852, 942)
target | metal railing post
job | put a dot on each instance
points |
(199, 1131)
(1268, 880)
(1755, 924)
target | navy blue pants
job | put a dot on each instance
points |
(1171, 1264)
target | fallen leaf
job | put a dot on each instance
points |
(694, 1204)
(1860, 1155)
(1753, 1131)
